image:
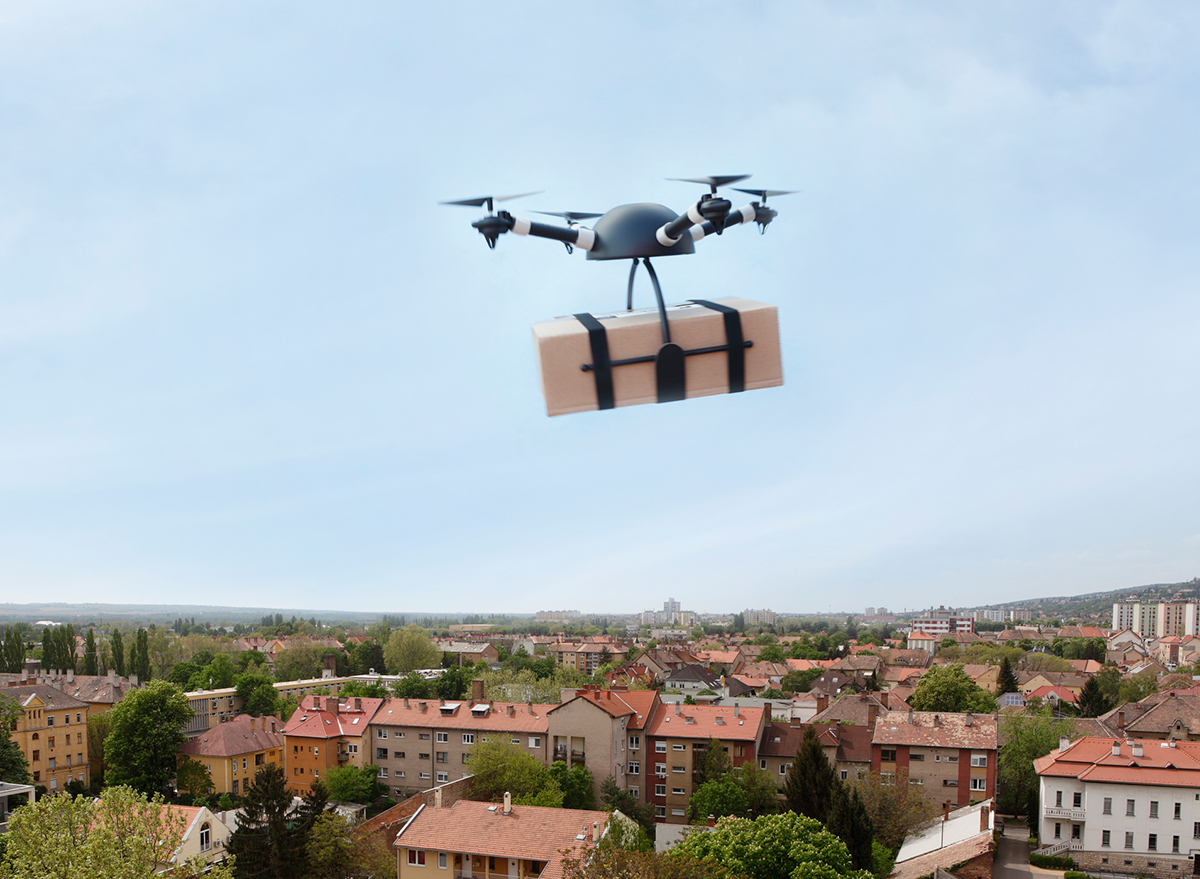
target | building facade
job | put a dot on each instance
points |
(236, 750)
(51, 731)
(326, 732)
(951, 756)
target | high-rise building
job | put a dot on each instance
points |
(1137, 616)
(943, 622)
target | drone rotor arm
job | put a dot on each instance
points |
(737, 217)
(576, 236)
(669, 233)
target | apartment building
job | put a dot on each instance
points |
(323, 733)
(676, 732)
(234, 751)
(585, 656)
(952, 756)
(473, 839)
(1122, 806)
(1137, 616)
(419, 743)
(942, 622)
(212, 707)
(604, 730)
(847, 747)
(51, 731)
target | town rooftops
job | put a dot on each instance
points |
(52, 698)
(931, 729)
(241, 735)
(535, 833)
(327, 717)
(1117, 761)
(725, 722)
(432, 714)
(639, 704)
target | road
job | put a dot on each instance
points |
(1013, 860)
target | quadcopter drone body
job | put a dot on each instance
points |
(639, 232)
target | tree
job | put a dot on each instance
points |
(811, 781)
(122, 834)
(762, 794)
(258, 694)
(946, 688)
(772, 846)
(14, 651)
(118, 652)
(452, 683)
(896, 809)
(271, 837)
(329, 851)
(1092, 702)
(576, 785)
(368, 656)
(800, 681)
(711, 764)
(299, 663)
(718, 797)
(499, 766)
(1135, 688)
(413, 686)
(147, 730)
(615, 798)
(193, 777)
(13, 767)
(615, 862)
(354, 784)
(98, 728)
(849, 822)
(1026, 737)
(1007, 681)
(90, 665)
(408, 649)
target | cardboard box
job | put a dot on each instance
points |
(564, 348)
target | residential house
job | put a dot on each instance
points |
(918, 639)
(51, 731)
(1054, 696)
(473, 839)
(848, 748)
(1122, 806)
(1027, 681)
(986, 676)
(418, 743)
(676, 732)
(236, 750)
(205, 836)
(604, 731)
(692, 679)
(323, 733)
(586, 657)
(860, 709)
(1171, 715)
(469, 652)
(953, 756)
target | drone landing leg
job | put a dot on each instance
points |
(662, 308)
(629, 294)
(670, 364)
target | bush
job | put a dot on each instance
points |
(1049, 863)
(884, 860)
(1074, 874)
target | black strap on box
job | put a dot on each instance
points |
(734, 343)
(601, 365)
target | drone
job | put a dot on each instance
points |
(639, 232)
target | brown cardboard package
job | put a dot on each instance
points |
(563, 347)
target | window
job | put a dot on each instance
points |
(468, 738)
(952, 758)
(443, 777)
(844, 773)
(1154, 808)
(1129, 839)
(678, 791)
(443, 756)
(1058, 799)
(37, 755)
(660, 747)
(443, 737)
(978, 784)
(49, 741)
(634, 767)
(916, 757)
(677, 769)
(50, 763)
(1076, 831)
(1196, 830)
(979, 759)
(1057, 830)
(351, 748)
(535, 741)
(243, 762)
(423, 775)
(381, 753)
(235, 785)
(423, 736)
(1129, 807)
(381, 734)
(660, 811)
(317, 750)
(887, 778)
(1077, 800)
(635, 791)
(260, 759)
(887, 755)
(399, 774)
(660, 790)
(50, 720)
(422, 756)
(77, 716)
(441, 860)
(1178, 811)
(678, 812)
(635, 742)
(677, 747)
(515, 741)
(1152, 842)
(416, 857)
(1108, 805)
(1175, 844)
(660, 769)
(399, 755)
(397, 735)
(383, 772)
(1106, 838)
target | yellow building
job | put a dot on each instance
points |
(235, 750)
(51, 731)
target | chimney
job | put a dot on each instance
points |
(421, 707)
(1063, 743)
(1121, 719)
(883, 697)
(983, 818)
(509, 711)
(477, 690)
(676, 709)
(112, 677)
(405, 701)
(735, 709)
(272, 726)
(437, 798)
(910, 715)
(822, 702)
(946, 811)
(937, 720)
(712, 821)
(969, 719)
(872, 713)
(507, 803)
(1137, 749)
(1116, 748)
(357, 703)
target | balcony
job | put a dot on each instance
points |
(577, 755)
(343, 756)
(1075, 845)
(1061, 812)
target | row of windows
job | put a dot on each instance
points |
(1130, 805)
(1106, 839)
(888, 755)
(416, 858)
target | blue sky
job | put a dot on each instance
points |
(245, 357)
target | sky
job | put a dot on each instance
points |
(247, 359)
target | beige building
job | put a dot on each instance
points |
(51, 731)
(204, 835)
(952, 756)
(235, 750)
(603, 730)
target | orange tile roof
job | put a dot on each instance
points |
(459, 715)
(936, 730)
(242, 735)
(704, 724)
(535, 833)
(1092, 759)
(619, 703)
(313, 722)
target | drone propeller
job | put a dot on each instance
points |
(764, 194)
(712, 182)
(763, 215)
(489, 199)
(570, 216)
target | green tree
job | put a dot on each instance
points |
(896, 809)
(1026, 737)
(377, 690)
(121, 834)
(90, 664)
(118, 652)
(1135, 688)
(1007, 681)
(811, 781)
(1092, 702)
(258, 694)
(329, 850)
(193, 777)
(772, 846)
(369, 655)
(799, 681)
(576, 785)
(98, 728)
(947, 689)
(354, 784)
(271, 836)
(410, 648)
(718, 797)
(413, 686)
(712, 763)
(299, 663)
(616, 862)
(499, 766)
(452, 683)
(147, 730)
(849, 822)
(615, 798)
(762, 793)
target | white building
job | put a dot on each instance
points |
(1122, 806)
(943, 622)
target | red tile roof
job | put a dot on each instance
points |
(707, 722)
(1092, 759)
(459, 715)
(242, 735)
(311, 721)
(529, 832)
